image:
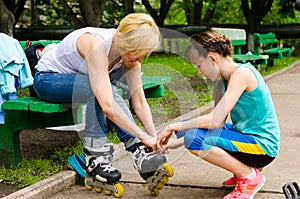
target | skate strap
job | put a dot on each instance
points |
(139, 145)
(104, 150)
(102, 162)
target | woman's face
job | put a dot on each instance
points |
(207, 67)
(131, 58)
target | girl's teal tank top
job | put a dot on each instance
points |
(255, 114)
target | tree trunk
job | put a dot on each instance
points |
(254, 15)
(128, 6)
(7, 20)
(163, 12)
(71, 15)
(194, 14)
(92, 11)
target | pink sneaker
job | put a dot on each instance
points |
(230, 182)
(245, 188)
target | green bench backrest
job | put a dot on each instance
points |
(263, 39)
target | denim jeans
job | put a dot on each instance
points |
(75, 88)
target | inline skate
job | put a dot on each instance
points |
(152, 167)
(100, 174)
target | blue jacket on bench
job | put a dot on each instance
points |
(13, 64)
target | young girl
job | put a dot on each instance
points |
(252, 140)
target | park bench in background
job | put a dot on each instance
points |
(264, 44)
(29, 113)
(238, 40)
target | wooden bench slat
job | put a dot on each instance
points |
(34, 104)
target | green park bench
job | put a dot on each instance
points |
(238, 40)
(29, 113)
(264, 45)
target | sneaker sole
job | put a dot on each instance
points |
(229, 186)
(259, 187)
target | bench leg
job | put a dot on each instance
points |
(10, 152)
(271, 62)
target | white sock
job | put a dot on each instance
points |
(251, 175)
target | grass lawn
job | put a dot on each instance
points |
(186, 92)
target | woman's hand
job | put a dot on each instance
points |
(150, 141)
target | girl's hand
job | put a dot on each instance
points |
(163, 138)
(175, 143)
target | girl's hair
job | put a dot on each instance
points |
(208, 41)
(138, 33)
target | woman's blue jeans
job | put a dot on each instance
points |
(75, 88)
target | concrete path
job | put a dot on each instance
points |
(193, 177)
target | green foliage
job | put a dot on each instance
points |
(51, 13)
(286, 8)
(176, 14)
(228, 12)
(113, 13)
(282, 11)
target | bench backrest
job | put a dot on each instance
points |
(266, 40)
(237, 36)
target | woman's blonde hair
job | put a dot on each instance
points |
(138, 33)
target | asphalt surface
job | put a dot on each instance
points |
(193, 177)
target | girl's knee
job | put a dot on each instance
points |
(193, 138)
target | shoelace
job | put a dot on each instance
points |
(240, 189)
(140, 154)
(141, 151)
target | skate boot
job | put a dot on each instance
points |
(100, 174)
(151, 167)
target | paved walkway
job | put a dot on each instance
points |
(193, 177)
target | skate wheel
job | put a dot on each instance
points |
(160, 185)
(169, 169)
(120, 190)
(107, 192)
(89, 187)
(165, 179)
(98, 189)
(155, 192)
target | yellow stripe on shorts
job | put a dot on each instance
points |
(248, 148)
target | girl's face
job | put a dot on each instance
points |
(207, 67)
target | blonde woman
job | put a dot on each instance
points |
(252, 140)
(78, 70)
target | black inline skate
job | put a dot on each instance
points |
(100, 174)
(152, 167)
